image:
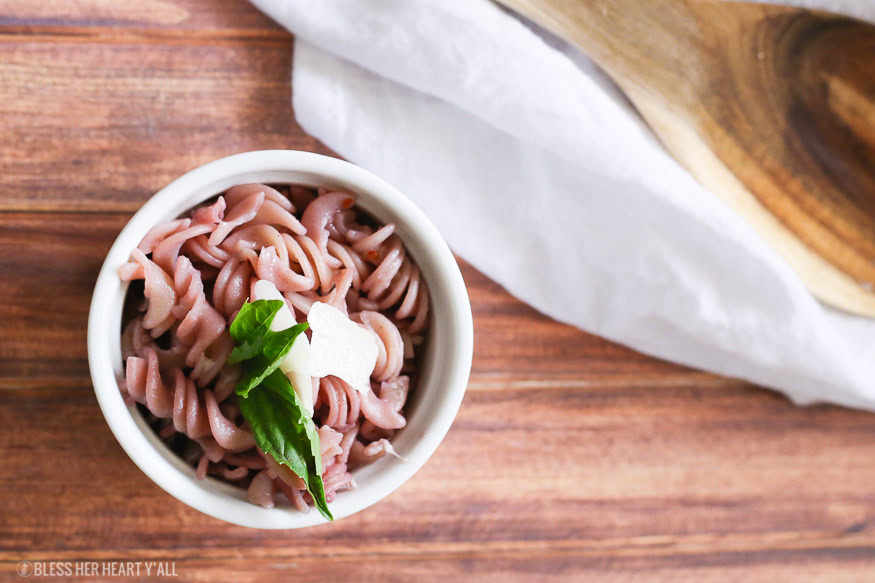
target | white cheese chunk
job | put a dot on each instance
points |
(266, 290)
(340, 347)
(296, 364)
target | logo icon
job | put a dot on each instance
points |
(25, 568)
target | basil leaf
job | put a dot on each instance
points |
(283, 430)
(274, 348)
(254, 371)
(281, 386)
(277, 344)
(280, 424)
(250, 327)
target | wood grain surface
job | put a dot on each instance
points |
(572, 458)
(753, 101)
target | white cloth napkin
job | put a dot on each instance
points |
(538, 173)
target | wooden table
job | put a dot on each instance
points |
(572, 458)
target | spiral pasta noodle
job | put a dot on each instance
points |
(201, 326)
(197, 271)
(196, 416)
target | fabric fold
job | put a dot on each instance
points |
(569, 201)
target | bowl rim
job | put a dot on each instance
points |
(175, 476)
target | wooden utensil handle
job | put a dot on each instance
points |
(754, 102)
(649, 45)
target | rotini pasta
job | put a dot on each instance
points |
(198, 270)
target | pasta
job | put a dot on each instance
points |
(197, 271)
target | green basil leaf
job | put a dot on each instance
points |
(250, 327)
(283, 429)
(280, 424)
(277, 344)
(254, 371)
(281, 386)
(274, 348)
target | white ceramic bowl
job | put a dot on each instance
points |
(434, 401)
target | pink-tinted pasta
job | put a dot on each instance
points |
(197, 271)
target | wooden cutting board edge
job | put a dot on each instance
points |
(827, 283)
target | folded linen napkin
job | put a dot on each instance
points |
(538, 173)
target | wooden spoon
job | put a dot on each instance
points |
(771, 108)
